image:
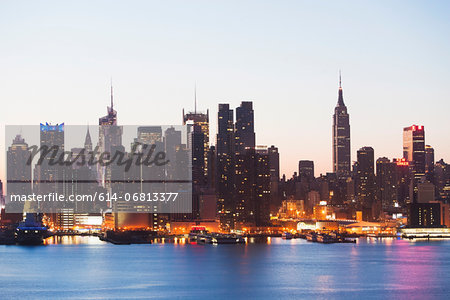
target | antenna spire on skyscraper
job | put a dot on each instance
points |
(340, 95)
(112, 102)
(340, 81)
(195, 98)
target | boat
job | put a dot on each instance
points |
(128, 237)
(325, 239)
(286, 235)
(197, 234)
(345, 240)
(311, 237)
(200, 235)
(220, 238)
(31, 231)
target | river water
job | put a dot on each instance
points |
(86, 268)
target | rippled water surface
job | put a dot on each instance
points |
(86, 268)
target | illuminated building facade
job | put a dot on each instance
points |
(198, 140)
(425, 215)
(403, 180)
(252, 188)
(414, 153)
(199, 128)
(150, 135)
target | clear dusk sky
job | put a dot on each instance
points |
(57, 58)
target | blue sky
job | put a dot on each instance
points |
(57, 58)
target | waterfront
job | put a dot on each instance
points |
(84, 267)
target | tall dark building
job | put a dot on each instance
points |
(2, 199)
(414, 153)
(212, 168)
(274, 163)
(341, 137)
(305, 179)
(425, 215)
(225, 166)
(365, 181)
(198, 141)
(442, 180)
(172, 140)
(244, 128)
(334, 186)
(111, 114)
(386, 182)
(18, 175)
(306, 170)
(429, 163)
(50, 136)
(50, 177)
(198, 124)
(403, 180)
(262, 186)
(252, 188)
(109, 138)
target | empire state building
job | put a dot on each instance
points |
(341, 137)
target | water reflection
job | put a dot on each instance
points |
(85, 267)
(73, 240)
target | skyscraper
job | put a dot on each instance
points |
(274, 163)
(54, 177)
(306, 170)
(429, 163)
(18, 174)
(252, 188)
(442, 180)
(386, 182)
(109, 137)
(414, 153)
(88, 141)
(403, 180)
(199, 139)
(172, 142)
(51, 136)
(111, 114)
(365, 181)
(341, 137)
(262, 186)
(225, 166)
(244, 128)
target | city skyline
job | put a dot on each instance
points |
(213, 142)
(295, 77)
(241, 148)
